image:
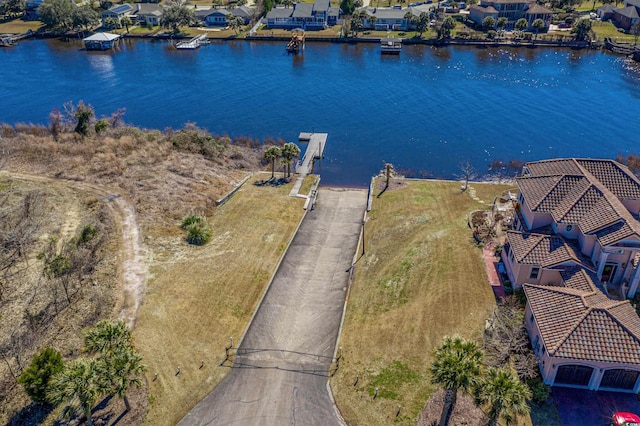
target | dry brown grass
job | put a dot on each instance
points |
(201, 296)
(19, 26)
(422, 278)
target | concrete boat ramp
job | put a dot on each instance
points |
(279, 373)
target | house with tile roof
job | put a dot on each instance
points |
(591, 205)
(575, 250)
(581, 337)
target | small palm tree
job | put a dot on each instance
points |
(505, 394)
(456, 366)
(126, 21)
(78, 385)
(107, 337)
(271, 154)
(124, 369)
(289, 151)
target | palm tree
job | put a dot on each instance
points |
(123, 368)
(126, 21)
(537, 25)
(289, 151)
(271, 154)
(108, 337)
(505, 394)
(456, 366)
(79, 385)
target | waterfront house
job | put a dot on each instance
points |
(117, 12)
(316, 16)
(513, 10)
(625, 17)
(386, 18)
(605, 13)
(591, 207)
(218, 17)
(575, 250)
(147, 14)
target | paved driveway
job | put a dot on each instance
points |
(579, 407)
(279, 375)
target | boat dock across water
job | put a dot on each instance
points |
(194, 43)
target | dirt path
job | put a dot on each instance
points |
(133, 253)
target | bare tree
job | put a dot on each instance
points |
(467, 173)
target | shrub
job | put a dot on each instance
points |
(497, 250)
(520, 296)
(101, 125)
(539, 391)
(35, 379)
(192, 219)
(87, 234)
(198, 234)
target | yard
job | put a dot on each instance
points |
(19, 26)
(422, 277)
(199, 297)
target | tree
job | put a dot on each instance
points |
(119, 365)
(537, 25)
(635, 31)
(422, 24)
(488, 23)
(108, 337)
(177, 15)
(289, 151)
(271, 154)
(505, 394)
(350, 6)
(447, 25)
(84, 115)
(456, 366)
(79, 385)
(582, 29)
(56, 13)
(35, 379)
(111, 23)
(235, 22)
(356, 21)
(85, 17)
(521, 24)
(467, 173)
(501, 23)
(126, 21)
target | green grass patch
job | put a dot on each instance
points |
(19, 26)
(607, 29)
(391, 379)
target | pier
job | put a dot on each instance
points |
(194, 43)
(315, 151)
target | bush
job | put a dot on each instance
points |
(198, 234)
(497, 250)
(87, 234)
(192, 219)
(101, 125)
(520, 296)
(539, 391)
(35, 379)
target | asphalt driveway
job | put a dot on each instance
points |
(280, 372)
(580, 407)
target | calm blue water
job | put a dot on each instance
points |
(427, 110)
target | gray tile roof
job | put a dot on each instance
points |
(303, 10)
(629, 12)
(544, 250)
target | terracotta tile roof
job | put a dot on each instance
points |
(544, 250)
(585, 325)
(579, 279)
(616, 177)
(584, 192)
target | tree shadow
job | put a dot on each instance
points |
(272, 182)
(32, 414)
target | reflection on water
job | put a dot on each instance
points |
(102, 63)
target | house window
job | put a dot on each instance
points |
(531, 318)
(521, 198)
(511, 258)
(569, 228)
(535, 272)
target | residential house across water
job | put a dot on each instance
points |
(316, 16)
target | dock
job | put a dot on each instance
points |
(297, 41)
(315, 151)
(101, 41)
(194, 43)
(390, 46)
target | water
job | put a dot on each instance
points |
(428, 110)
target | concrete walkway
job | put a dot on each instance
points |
(280, 372)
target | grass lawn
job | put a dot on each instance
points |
(607, 29)
(18, 26)
(422, 278)
(198, 297)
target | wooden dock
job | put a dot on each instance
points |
(315, 150)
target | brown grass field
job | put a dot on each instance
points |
(200, 297)
(422, 277)
(19, 26)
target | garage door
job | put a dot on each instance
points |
(619, 379)
(576, 375)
